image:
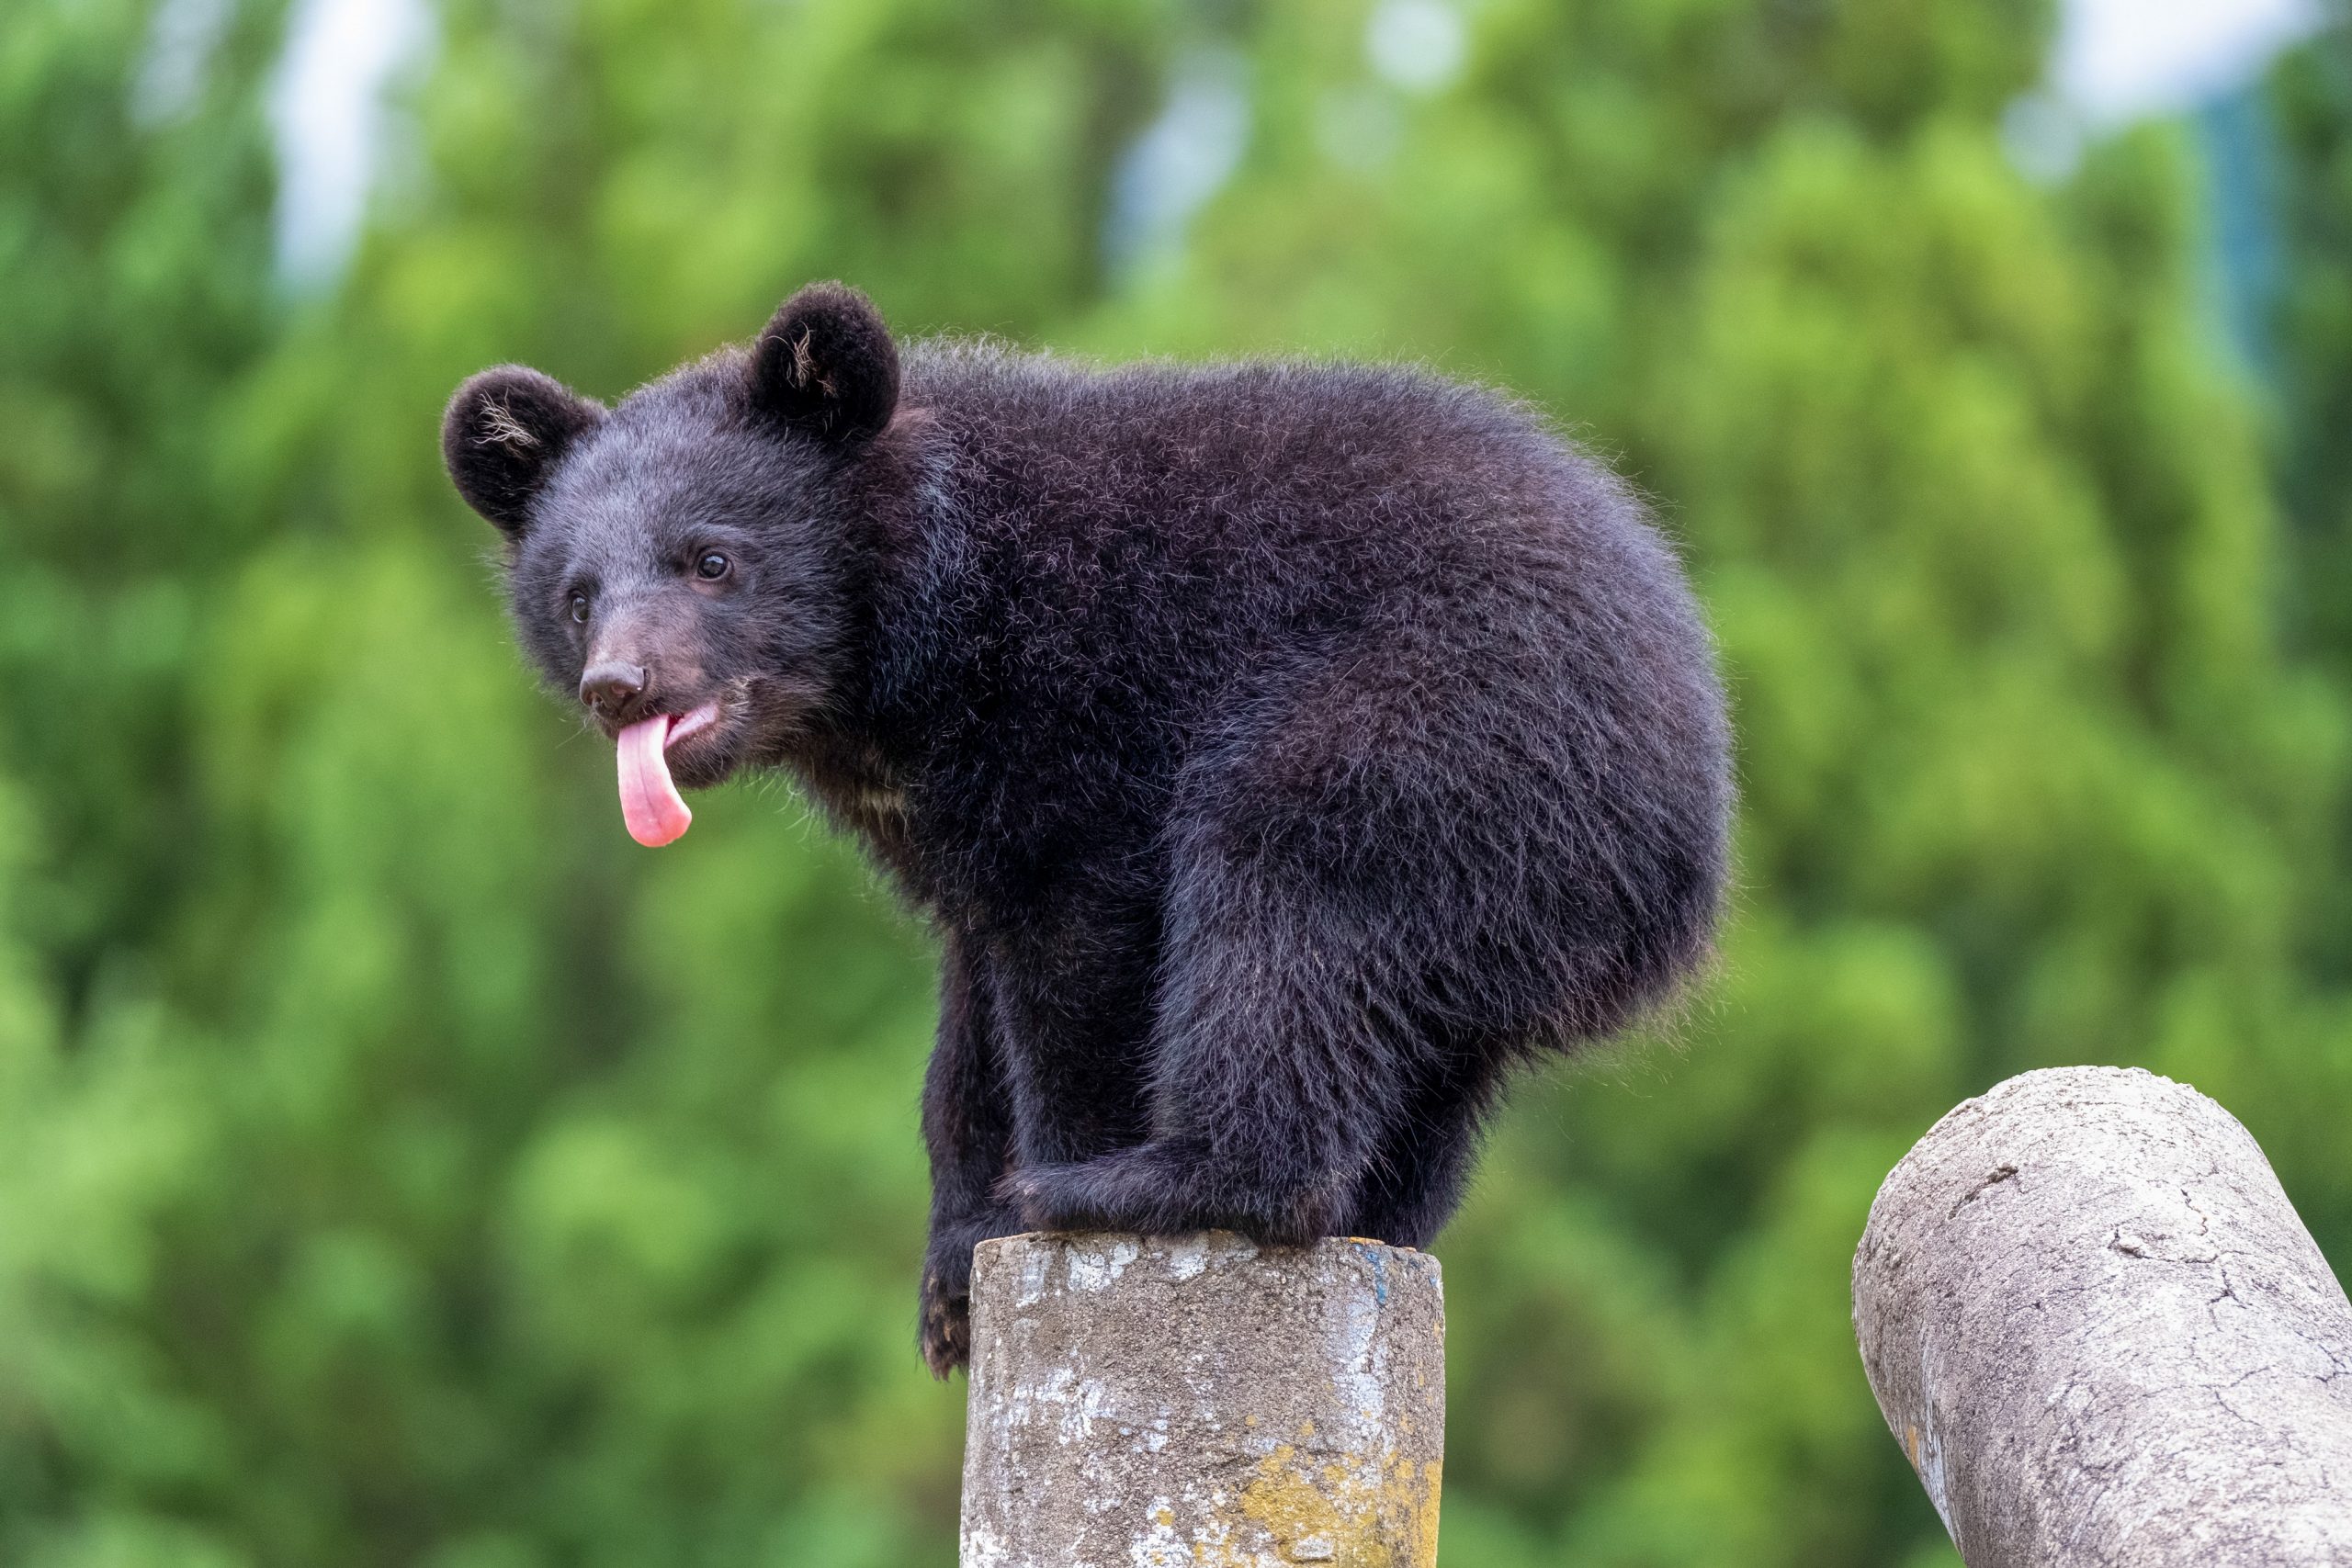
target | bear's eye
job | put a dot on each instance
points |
(579, 608)
(712, 567)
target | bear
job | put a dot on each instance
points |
(1284, 751)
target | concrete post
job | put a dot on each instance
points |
(1198, 1401)
(2097, 1327)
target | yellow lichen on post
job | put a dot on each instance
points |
(1197, 1401)
(1352, 1514)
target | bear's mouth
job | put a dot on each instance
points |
(655, 813)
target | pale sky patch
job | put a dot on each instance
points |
(2119, 61)
(327, 107)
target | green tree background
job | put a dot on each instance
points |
(398, 1167)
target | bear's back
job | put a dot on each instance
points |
(1155, 520)
(1126, 566)
(1278, 498)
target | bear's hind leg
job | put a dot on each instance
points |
(1417, 1181)
(1274, 1070)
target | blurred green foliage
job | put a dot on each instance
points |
(397, 1167)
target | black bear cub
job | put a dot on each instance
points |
(1280, 750)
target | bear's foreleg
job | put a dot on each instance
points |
(966, 1129)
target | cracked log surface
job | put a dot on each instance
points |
(2097, 1327)
(1198, 1401)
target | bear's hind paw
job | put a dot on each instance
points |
(1129, 1190)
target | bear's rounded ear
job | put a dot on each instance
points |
(505, 431)
(826, 365)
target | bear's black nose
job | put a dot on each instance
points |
(614, 688)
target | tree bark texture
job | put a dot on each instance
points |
(1199, 1401)
(2099, 1331)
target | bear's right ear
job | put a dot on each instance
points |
(505, 431)
(826, 366)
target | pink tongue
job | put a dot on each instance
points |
(651, 804)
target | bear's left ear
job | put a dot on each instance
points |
(826, 366)
(503, 433)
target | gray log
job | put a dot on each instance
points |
(1173, 1402)
(2097, 1327)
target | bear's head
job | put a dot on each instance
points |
(681, 564)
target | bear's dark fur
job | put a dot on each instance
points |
(1281, 751)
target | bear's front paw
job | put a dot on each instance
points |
(946, 1332)
(945, 1328)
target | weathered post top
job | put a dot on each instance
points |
(2104, 1339)
(1199, 1401)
